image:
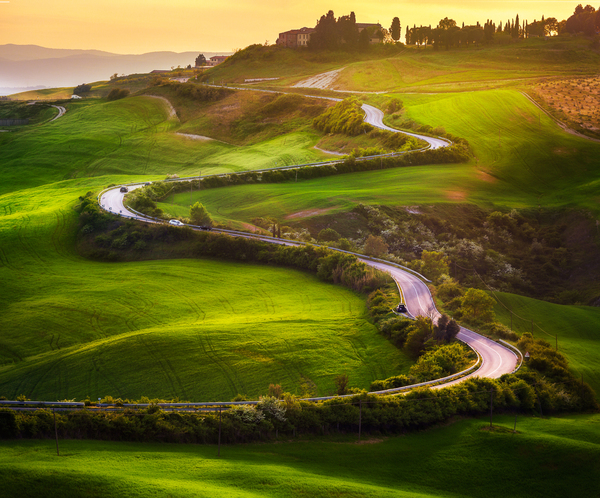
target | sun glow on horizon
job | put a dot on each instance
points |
(136, 26)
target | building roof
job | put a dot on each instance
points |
(299, 31)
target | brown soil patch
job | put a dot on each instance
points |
(309, 212)
(456, 195)
(486, 177)
(576, 101)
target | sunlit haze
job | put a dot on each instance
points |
(136, 26)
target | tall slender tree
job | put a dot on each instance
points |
(395, 29)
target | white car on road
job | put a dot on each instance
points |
(176, 223)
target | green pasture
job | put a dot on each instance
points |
(576, 327)
(133, 137)
(194, 329)
(479, 68)
(552, 457)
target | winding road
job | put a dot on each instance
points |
(495, 359)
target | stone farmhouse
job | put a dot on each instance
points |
(295, 37)
(217, 59)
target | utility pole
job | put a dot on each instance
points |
(219, 451)
(359, 419)
(56, 432)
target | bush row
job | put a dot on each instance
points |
(144, 199)
(525, 392)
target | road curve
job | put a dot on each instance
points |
(497, 360)
(374, 117)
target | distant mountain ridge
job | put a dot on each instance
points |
(31, 65)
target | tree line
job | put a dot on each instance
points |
(447, 34)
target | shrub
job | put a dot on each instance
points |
(328, 235)
(117, 93)
(345, 117)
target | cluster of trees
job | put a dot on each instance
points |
(331, 33)
(544, 386)
(345, 117)
(447, 34)
(82, 89)
(584, 20)
(199, 93)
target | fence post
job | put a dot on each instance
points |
(491, 405)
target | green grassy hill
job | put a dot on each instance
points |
(576, 327)
(71, 329)
(386, 68)
(546, 458)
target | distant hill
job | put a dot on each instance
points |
(31, 65)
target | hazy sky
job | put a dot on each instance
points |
(137, 26)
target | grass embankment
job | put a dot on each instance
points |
(546, 457)
(577, 329)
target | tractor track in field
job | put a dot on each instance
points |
(217, 362)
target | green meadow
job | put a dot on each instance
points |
(577, 329)
(553, 457)
(522, 159)
(194, 329)
(135, 137)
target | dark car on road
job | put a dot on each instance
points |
(401, 308)
(123, 189)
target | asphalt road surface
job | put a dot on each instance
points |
(374, 117)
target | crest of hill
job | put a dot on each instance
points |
(395, 67)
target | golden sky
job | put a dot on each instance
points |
(138, 26)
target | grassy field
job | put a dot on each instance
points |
(418, 69)
(577, 329)
(522, 160)
(199, 330)
(553, 457)
(133, 137)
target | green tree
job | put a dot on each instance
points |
(341, 384)
(435, 264)
(418, 334)
(446, 23)
(200, 60)
(375, 246)
(328, 235)
(478, 305)
(395, 29)
(200, 216)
